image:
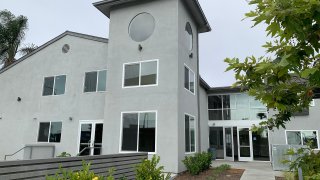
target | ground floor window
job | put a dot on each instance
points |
(190, 135)
(302, 137)
(49, 132)
(139, 131)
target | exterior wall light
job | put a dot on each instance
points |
(70, 118)
(140, 47)
(19, 99)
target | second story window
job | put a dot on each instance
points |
(189, 80)
(139, 74)
(95, 81)
(54, 85)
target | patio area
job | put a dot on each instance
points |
(253, 170)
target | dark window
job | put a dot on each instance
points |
(54, 85)
(190, 136)
(130, 132)
(146, 139)
(131, 75)
(48, 86)
(219, 107)
(186, 78)
(50, 132)
(90, 83)
(189, 79)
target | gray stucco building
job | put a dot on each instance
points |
(138, 91)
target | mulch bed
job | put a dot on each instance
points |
(231, 174)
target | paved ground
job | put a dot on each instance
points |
(253, 170)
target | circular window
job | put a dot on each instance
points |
(189, 36)
(65, 48)
(141, 27)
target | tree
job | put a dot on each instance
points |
(12, 33)
(286, 77)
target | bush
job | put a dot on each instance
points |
(198, 163)
(64, 154)
(308, 161)
(84, 174)
(148, 170)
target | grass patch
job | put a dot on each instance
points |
(216, 172)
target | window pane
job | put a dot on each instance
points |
(90, 83)
(294, 138)
(215, 115)
(310, 137)
(192, 81)
(43, 132)
(189, 36)
(141, 27)
(131, 75)
(226, 102)
(147, 132)
(186, 78)
(59, 87)
(48, 86)
(226, 114)
(55, 132)
(215, 102)
(130, 132)
(102, 81)
(187, 133)
(149, 73)
(192, 135)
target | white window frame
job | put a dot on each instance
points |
(98, 71)
(139, 62)
(121, 130)
(195, 133)
(194, 77)
(54, 84)
(49, 131)
(301, 138)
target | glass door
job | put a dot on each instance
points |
(228, 144)
(245, 144)
(90, 142)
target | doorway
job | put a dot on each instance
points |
(90, 139)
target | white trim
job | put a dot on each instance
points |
(54, 83)
(313, 103)
(194, 79)
(96, 91)
(195, 133)
(121, 130)
(48, 140)
(301, 138)
(250, 144)
(139, 63)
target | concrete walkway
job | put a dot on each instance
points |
(253, 170)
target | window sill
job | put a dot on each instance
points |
(142, 86)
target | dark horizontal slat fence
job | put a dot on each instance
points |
(124, 165)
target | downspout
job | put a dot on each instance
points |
(198, 96)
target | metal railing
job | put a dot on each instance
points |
(9, 155)
(86, 148)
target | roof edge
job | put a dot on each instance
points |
(70, 33)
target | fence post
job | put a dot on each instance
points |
(300, 174)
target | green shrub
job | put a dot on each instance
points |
(83, 174)
(149, 170)
(64, 154)
(198, 163)
(308, 160)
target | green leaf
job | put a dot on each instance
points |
(307, 72)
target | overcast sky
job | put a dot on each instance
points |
(230, 36)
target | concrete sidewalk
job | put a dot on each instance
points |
(253, 170)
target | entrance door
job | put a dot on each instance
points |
(90, 141)
(228, 144)
(245, 144)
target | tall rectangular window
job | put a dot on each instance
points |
(54, 85)
(95, 81)
(190, 136)
(139, 132)
(144, 73)
(49, 132)
(303, 137)
(189, 80)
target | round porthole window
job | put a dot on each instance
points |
(189, 36)
(141, 27)
(65, 48)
